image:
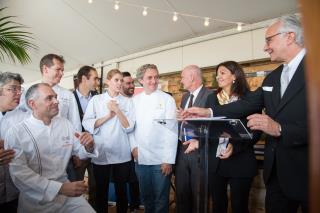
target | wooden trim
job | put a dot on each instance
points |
(311, 16)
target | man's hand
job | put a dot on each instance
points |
(6, 155)
(166, 169)
(227, 153)
(264, 123)
(86, 140)
(73, 189)
(135, 153)
(193, 145)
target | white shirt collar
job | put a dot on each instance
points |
(196, 92)
(82, 96)
(294, 63)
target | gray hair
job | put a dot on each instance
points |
(292, 23)
(6, 77)
(142, 70)
(33, 92)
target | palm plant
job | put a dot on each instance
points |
(14, 41)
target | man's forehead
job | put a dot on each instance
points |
(12, 82)
(273, 28)
(127, 78)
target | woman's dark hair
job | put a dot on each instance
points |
(240, 85)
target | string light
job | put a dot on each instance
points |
(116, 5)
(175, 17)
(206, 22)
(90, 1)
(145, 12)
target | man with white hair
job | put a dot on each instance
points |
(43, 144)
(283, 95)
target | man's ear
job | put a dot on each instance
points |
(291, 37)
(31, 103)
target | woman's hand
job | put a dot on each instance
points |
(227, 152)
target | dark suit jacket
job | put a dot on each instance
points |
(242, 163)
(200, 100)
(288, 154)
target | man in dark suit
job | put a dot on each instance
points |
(283, 94)
(88, 81)
(187, 169)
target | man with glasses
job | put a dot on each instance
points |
(10, 92)
(283, 95)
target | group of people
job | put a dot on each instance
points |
(54, 136)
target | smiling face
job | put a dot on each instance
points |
(115, 83)
(45, 103)
(128, 86)
(150, 80)
(276, 42)
(53, 74)
(10, 94)
(225, 78)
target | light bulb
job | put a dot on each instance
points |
(116, 5)
(90, 1)
(206, 22)
(144, 12)
(175, 16)
(239, 27)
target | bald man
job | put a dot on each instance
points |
(187, 170)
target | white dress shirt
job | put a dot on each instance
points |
(195, 95)
(156, 143)
(42, 153)
(111, 138)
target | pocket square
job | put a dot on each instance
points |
(268, 89)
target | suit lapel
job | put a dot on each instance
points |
(199, 97)
(184, 99)
(296, 84)
(276, 88)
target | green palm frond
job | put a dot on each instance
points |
(14, 41)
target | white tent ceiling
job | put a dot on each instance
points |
(89, 33)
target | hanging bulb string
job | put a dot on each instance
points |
(175, 14)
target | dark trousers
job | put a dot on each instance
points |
(239, 190)
(9, 207)
(133, 188)
(186, 180)
(277, 201)
(120, 174)
(80, 171)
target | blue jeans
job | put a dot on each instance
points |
(154, 188)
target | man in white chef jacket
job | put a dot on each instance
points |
(43, 144)
(154, 145)
(10, 92)
(52, 69)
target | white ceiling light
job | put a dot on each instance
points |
(90, 1)
(116, 5)
(175, 16)
(145, 11)
(206, 22)
(239, 27)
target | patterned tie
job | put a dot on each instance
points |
(284, 79)
(190, 100)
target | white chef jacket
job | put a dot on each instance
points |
(68, 107)
(156, 143)
(42, 153)
(8, 191)
(110, 138)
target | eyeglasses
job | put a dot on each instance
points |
(269, 38)
(14, 89)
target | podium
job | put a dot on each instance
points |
(207, 130)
